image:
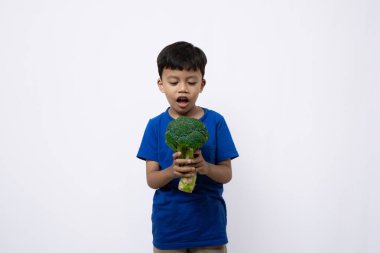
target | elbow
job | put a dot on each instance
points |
(154, 187)
(228, 175)
(152, 184)
(228, 178)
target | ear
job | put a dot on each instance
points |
(160, 85)
(203, 84)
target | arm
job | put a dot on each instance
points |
(221, 172)
(157, 178)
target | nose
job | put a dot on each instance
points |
(183, 87)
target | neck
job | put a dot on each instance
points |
(197, 113)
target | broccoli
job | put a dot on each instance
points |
(186, 135)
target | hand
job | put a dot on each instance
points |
(201, 166)
(182, 167)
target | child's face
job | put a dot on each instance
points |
(181, 88)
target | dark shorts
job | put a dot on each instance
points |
(213, 249)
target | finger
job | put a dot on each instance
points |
(198, 153)
(176, 155)
(197, 165)
(190, 173)
(187, 174)
(183, 162)
(185, 169)
(196, 160)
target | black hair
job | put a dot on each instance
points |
(181, 55)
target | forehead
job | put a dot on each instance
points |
(176, 73)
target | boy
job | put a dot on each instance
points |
(187, 222)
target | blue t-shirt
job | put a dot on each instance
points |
(188, 220)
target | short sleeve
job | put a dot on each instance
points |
(225, 147)
(148, 148)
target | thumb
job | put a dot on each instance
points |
(176, 155)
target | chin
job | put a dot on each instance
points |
(182, 111)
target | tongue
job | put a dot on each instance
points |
(182, 103)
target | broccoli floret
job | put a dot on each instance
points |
(186, 135)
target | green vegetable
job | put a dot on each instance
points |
(186, 135)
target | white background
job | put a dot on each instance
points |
(297, 81)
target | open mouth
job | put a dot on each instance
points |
(182, 101)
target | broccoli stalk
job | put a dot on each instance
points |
(187, 184)
(186, 135)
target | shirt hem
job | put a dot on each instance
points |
(189, 245)
(145, 158)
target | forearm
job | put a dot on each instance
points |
(159, 178)
(221, 173)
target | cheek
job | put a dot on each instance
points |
(170, 97)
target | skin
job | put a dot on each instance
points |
(189, 84)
